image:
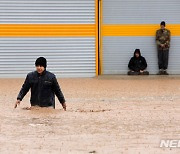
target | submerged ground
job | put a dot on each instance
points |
(105, 115)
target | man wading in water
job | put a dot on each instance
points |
(43, 85)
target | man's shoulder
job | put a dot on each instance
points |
(132, 58)
(167, 30)
(159, 30)
(31, 73)
(50, 74)
(142, 57)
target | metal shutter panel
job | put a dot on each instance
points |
(118, 50)
(67, 56)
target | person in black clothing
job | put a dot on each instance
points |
(43, 85)
(137, 64)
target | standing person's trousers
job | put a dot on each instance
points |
(163, 56)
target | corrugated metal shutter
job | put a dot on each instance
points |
(68, 56)
(117, 50)
(47, 11)
(140, 11)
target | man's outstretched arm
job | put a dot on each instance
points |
(25, 88)
(58, 92)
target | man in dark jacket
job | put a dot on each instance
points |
(137, 64)
(43, 85)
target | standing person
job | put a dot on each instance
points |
(137, 64)
(43, 85)
(163, 44)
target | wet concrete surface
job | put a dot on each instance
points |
(105, 115)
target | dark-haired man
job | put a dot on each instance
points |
(43, 85)
(137, 64)
(163, 44)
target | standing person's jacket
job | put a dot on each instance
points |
(163, 37)
(43, 89)
(137, 64)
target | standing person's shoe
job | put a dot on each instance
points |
(161, 72)
(165, 72)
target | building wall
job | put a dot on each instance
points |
(127, 25)
(64, 32)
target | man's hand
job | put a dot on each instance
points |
(141, 71)
(162, 45)
(64, 106)
(17, 103)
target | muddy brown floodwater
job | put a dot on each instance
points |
(105, 115)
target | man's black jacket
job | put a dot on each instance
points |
(43, 89)
(137, 64)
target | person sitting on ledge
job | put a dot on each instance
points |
(137, 64)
